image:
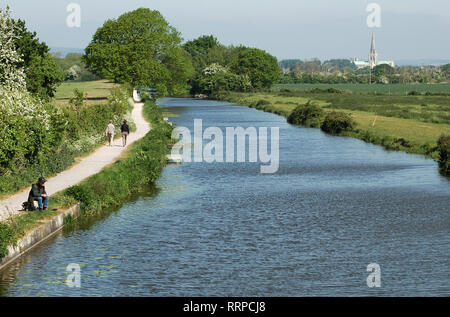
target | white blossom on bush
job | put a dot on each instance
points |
(11, 77)
(213, 69)
(21, 103)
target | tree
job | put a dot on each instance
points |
(220, 54)
(216, 77)
(446, 69)
(289, 63)
(338, 63)
(309, 67)
(139, 48)
(201, 45)
(74, 68)
(12, 76)
(42, 73)
(261, 67)
(43, 76)
(383, 70)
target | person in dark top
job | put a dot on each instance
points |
(39, 194)
(125, 131)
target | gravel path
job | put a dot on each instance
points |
(88, 166)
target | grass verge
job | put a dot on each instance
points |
(405, 130)
(141, 165)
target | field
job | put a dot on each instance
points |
(394, 89)
(419, 120)
(97, 91)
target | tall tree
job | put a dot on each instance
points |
(142, 49)
(201, 45)
(261, 67)
(42, 73)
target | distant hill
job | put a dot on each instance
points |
(65, 50)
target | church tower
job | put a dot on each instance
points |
(373, 55)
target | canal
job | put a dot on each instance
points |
(225, 229)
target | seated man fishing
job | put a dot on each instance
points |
(39, 194)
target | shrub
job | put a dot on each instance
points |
(444, 154)
(81, 194)
(38, 139)
(308, 114)
(263, 102)
(337, 122)
(327, 90)
(6, 238)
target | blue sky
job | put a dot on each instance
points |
(410, 29)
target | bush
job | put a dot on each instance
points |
(81, 194)
(263, 102)
(337, 122)
(221, 81)
(6, 238)
(327, 91)
(38, 139)
(308, 114)
(444, 154)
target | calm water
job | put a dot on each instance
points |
(336, 205)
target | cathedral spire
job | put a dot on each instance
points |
(373, 55)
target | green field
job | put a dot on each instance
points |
(97, 91)
(394, 89)
(419, 120)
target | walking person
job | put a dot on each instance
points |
(125, 131)
(110, 132)
(38, 193)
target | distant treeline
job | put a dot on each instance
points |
(74, 68)
(343, 71)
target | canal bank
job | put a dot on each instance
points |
(42, 232)
(396, 134)
(141, 165)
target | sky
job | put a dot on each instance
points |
(324, 29)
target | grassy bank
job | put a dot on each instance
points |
(142, 164)
(412, 124)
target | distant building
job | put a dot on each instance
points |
(373, 58)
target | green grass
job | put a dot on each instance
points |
(97, 91)
(383, 119)
(139, 166)
(394, 89)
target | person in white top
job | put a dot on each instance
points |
(110, 131)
